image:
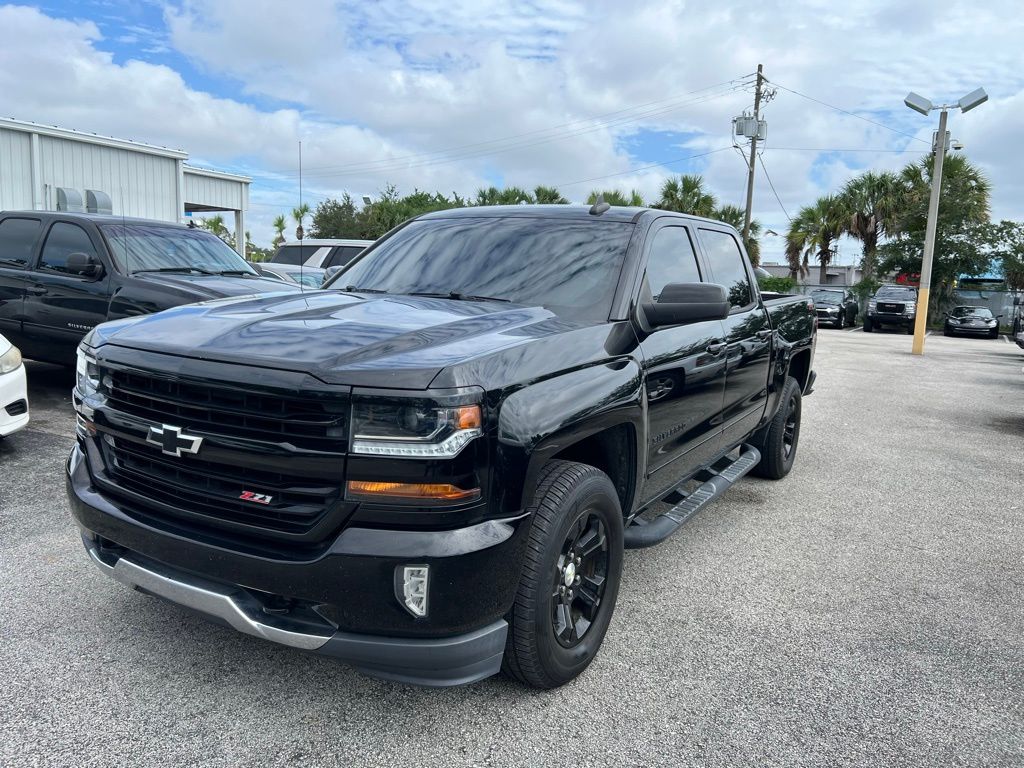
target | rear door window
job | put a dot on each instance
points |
(342, 255)
(63, 240)
(727, 266)
(294, 254)
(17, 239)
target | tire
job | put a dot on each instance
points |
(994, 334)
(779, 441)
(946, 332)
(910, 329)
(548, 644)
(867, 325)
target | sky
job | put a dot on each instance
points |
(457, 95)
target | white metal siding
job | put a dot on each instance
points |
(15, 170)
(139, 184)
(222, 194)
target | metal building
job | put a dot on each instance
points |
(48, 168)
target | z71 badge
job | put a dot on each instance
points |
(259, 498)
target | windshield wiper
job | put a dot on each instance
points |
(456, 296)
(242, 272)
(357, 289)
(179, 270)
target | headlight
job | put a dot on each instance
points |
(954, 321)
(872, 303)
(87, 374)
(909, 309)
(993, 322)
(10, 360)
(413, 429)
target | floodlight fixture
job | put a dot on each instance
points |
(918, 103)
(973, 99)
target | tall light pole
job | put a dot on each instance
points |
(924, 106)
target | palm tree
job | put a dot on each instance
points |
(872, 201)
(506, 196)
(548, 195)
(814, 230)
(734, 216)
(300, 213)
(280, 222)
(686, 195)
(631, 199)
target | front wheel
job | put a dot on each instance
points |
(910, 330)
(867, 325)
(570, 580)
(778, 442)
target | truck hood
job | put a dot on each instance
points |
(340, 338)
(213, 286)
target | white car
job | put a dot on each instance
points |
(13, 391)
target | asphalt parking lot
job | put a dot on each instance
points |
(867, 610)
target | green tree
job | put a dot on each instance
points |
(687, 195)
(965, 244)
(215, 224)
(280, 222)
(548, 196)
(872, 202)
(1008, 249)
(506, 196)
(338, 219)
(631, 199)
(300, 213)
(734, 216)
(815, 230)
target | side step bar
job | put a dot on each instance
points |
(642, 534)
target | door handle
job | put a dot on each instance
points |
(717, 349)
(37, 290)
(764, 334)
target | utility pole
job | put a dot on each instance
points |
(753, 155)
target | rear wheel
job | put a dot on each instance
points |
(571, 572)
(779, 440)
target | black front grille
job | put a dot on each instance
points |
(315, 421)
(890, 308)
(201, 491)
(17, 408)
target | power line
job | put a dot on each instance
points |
(847, 112)
(664, 163)
(770, 184)
(828, 149)
(734, 84)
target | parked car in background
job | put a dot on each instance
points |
(431, 469)
(62, 274)
(307, 277)
(13, 391)
(835, 306)
(320, 253)
(894, 305)
(971, 321)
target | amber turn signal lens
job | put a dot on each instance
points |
(468, 417)
(368, 489)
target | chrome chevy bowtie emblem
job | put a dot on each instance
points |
(172, 441)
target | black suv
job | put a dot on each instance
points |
(894, 305)
(431, 468)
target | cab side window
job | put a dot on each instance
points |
(672, 259)
(727, 266)
(63, 240)
(17, 239)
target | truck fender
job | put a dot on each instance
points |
(542, 419)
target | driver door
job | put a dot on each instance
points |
(61, 307)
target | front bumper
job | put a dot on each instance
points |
(14, 413)
(884, 318)
(972, 330)
(340, 602)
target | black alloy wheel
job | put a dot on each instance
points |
(778, 441)
(572, 566)
(580, 575)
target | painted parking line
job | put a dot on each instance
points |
(854, 328)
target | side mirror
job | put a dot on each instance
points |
(681, 303)
(84, 264)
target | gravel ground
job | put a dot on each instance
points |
(867, 610)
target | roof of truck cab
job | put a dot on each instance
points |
(95, 218)
(566, 212)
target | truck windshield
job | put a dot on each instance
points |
(151, 247)
(569, 267)
(895, 292)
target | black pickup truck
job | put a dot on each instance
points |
(62, 274)
(430, 469)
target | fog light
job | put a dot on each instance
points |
(411, 582)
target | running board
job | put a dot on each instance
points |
(642, 534)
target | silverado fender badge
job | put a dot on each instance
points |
(259, 498)
(172, 441)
